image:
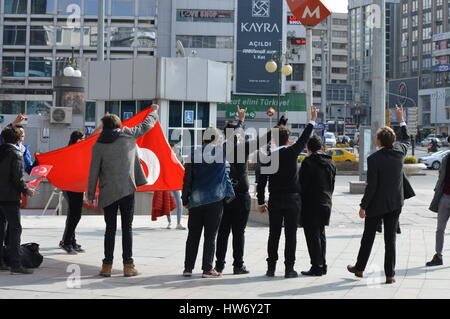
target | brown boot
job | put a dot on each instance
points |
(106, 270)
(353, 270)
(129, 270)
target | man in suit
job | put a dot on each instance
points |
(284, 200)
(441, 206)
(384, 196)
(317, 176)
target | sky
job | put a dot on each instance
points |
(336, 5)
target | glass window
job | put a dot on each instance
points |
(147, 8)
(42, 6)
(14, 34)
(90, 112)
(13, 66)
(112, 107)
(12, 107)
(128, 110)
(203, 114)
(189, 114)
(16, 6)
(42, 35)
(64, 4)
(66, 36)
(91, 7)
(90, 37)
(190, 15)
(175, 110)
(40, 67)
(122, 8)
(146, 37)
(142, 105)
(38, 107)
(339, 153)
(122, 37)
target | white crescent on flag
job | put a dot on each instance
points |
(151, 161)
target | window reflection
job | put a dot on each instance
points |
(90, 36)
(16, 6)
(91, 7)
(12, 107)
(64, 4)
(13, 66)
(147, 8)
(38, 107)
(40, 67)
(42, 35)
(14, 34)
(122, 8)
(43, 6)
(146, 37)
(122, 37)
(68, 36)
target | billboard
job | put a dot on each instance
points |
(403, 92)
(259, 37)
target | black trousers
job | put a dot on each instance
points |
(283, 208)
(390, 221)
(75, 201)
(317, 243)
(10, 217)
(126, 206)
(234, 219)
(203, 217)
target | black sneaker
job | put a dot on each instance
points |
(290, 274)
(270, 273)
(240, 271)
(313, 272)
(21, 270)
(69, 249)
(324, 270)
(436, 261)
(78, 248)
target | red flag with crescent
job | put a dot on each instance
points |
(70, 165)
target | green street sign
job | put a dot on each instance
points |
(294, 102)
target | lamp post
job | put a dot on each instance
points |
(273, 66)
(70, 70)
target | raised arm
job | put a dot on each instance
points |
(404, 140)
(142, 129)
(299, 146)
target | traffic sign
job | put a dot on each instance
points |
(413, 120)
(309, 12)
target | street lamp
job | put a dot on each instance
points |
(272, 66)
(70, 71)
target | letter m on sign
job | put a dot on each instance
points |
(309, 12)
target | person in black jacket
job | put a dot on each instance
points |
(284, 201)
(12, 186)
(317, 177)
(236, 213)
(384, 196)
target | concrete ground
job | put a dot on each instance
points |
(159, 255)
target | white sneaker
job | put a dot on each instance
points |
(181, 227)
(169, 226)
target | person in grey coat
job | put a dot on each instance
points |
(116, 167)
(441, 205)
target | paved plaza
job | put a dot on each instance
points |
(159, 255)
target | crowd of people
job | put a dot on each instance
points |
(216, 194)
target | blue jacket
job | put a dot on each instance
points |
(206, 181)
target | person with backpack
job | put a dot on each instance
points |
(12, 186)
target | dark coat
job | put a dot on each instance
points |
(317, 177)
(12, 184)
(439, 188)
(385, 190)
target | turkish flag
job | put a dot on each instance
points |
(41, 170)
(70, 165)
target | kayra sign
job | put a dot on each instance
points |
(309, 12)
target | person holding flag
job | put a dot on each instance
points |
(116, 167)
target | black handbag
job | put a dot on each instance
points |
(29, 256)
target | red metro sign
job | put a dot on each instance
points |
(309, 12)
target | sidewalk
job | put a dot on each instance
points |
(159, 255)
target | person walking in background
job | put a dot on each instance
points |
(317, 177)
(383, 197)
(441, 205)
(206, 186)
(116, 167)
(284, 201)
(12, 186)
(75, 201)
(177, 194)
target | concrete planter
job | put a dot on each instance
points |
(413, 169)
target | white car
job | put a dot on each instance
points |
(434, 160)
(330, 140)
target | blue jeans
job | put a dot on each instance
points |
(179, 209)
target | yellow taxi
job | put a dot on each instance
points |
(341, 155)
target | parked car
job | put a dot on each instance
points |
(341, 155)
(427, 141)
(330, 140)
(434, 160)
